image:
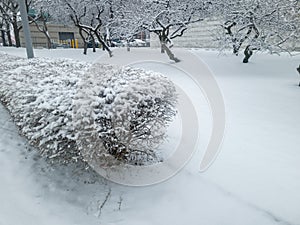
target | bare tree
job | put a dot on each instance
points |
(260, 25)
(127, 20)
(169, 19)
(88, 19)
(40, 20)
(88, 16)
(5, 16)
(9, 10)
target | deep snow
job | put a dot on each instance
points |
(254, 180)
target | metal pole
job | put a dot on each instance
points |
(25, 23)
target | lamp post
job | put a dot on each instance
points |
(25, 23)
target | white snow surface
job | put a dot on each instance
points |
(254, 180)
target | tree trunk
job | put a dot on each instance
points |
(128, 46)
(85, 44)
(3, 37)
(45, 29)
(49, 44)
(104, 45)
(17, 37)
(9, 38)
(169, 53)
(93, 43)
(16, 32)
(298, 69)
(163, 42)
(162, 50)
(248, 53)
(8, 34)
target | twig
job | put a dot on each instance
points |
(100, 207)
(120, 203)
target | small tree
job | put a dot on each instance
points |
(88, 16)
(269, 25)
(10, 13)
(88, 19)
(127, 20)
(40, 20)
(169, 19)
(9, 10)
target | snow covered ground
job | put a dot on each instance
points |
(254, 180)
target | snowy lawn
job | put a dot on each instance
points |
(255, 179)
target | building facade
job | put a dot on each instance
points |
(61, 35)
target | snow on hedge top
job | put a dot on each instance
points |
(41, 93)
(38, 93)
(129, 109)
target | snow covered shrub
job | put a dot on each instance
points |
(128, 109)
(38, 93)
(71, 115)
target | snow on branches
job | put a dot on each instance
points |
(38, 93)
(169, 19)
(60, 107)
(268, 25)
(129, 110)
(89, 16)
(9, 17)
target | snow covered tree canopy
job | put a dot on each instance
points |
(265, 25)
(168, 19)
(59, 105)
(89, 16)
(98, 19)
(129, 110)
(246, 25)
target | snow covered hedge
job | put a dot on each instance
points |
(38, 93)
(59, 107)
(129, 109)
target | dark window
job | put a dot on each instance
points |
(66, 36)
